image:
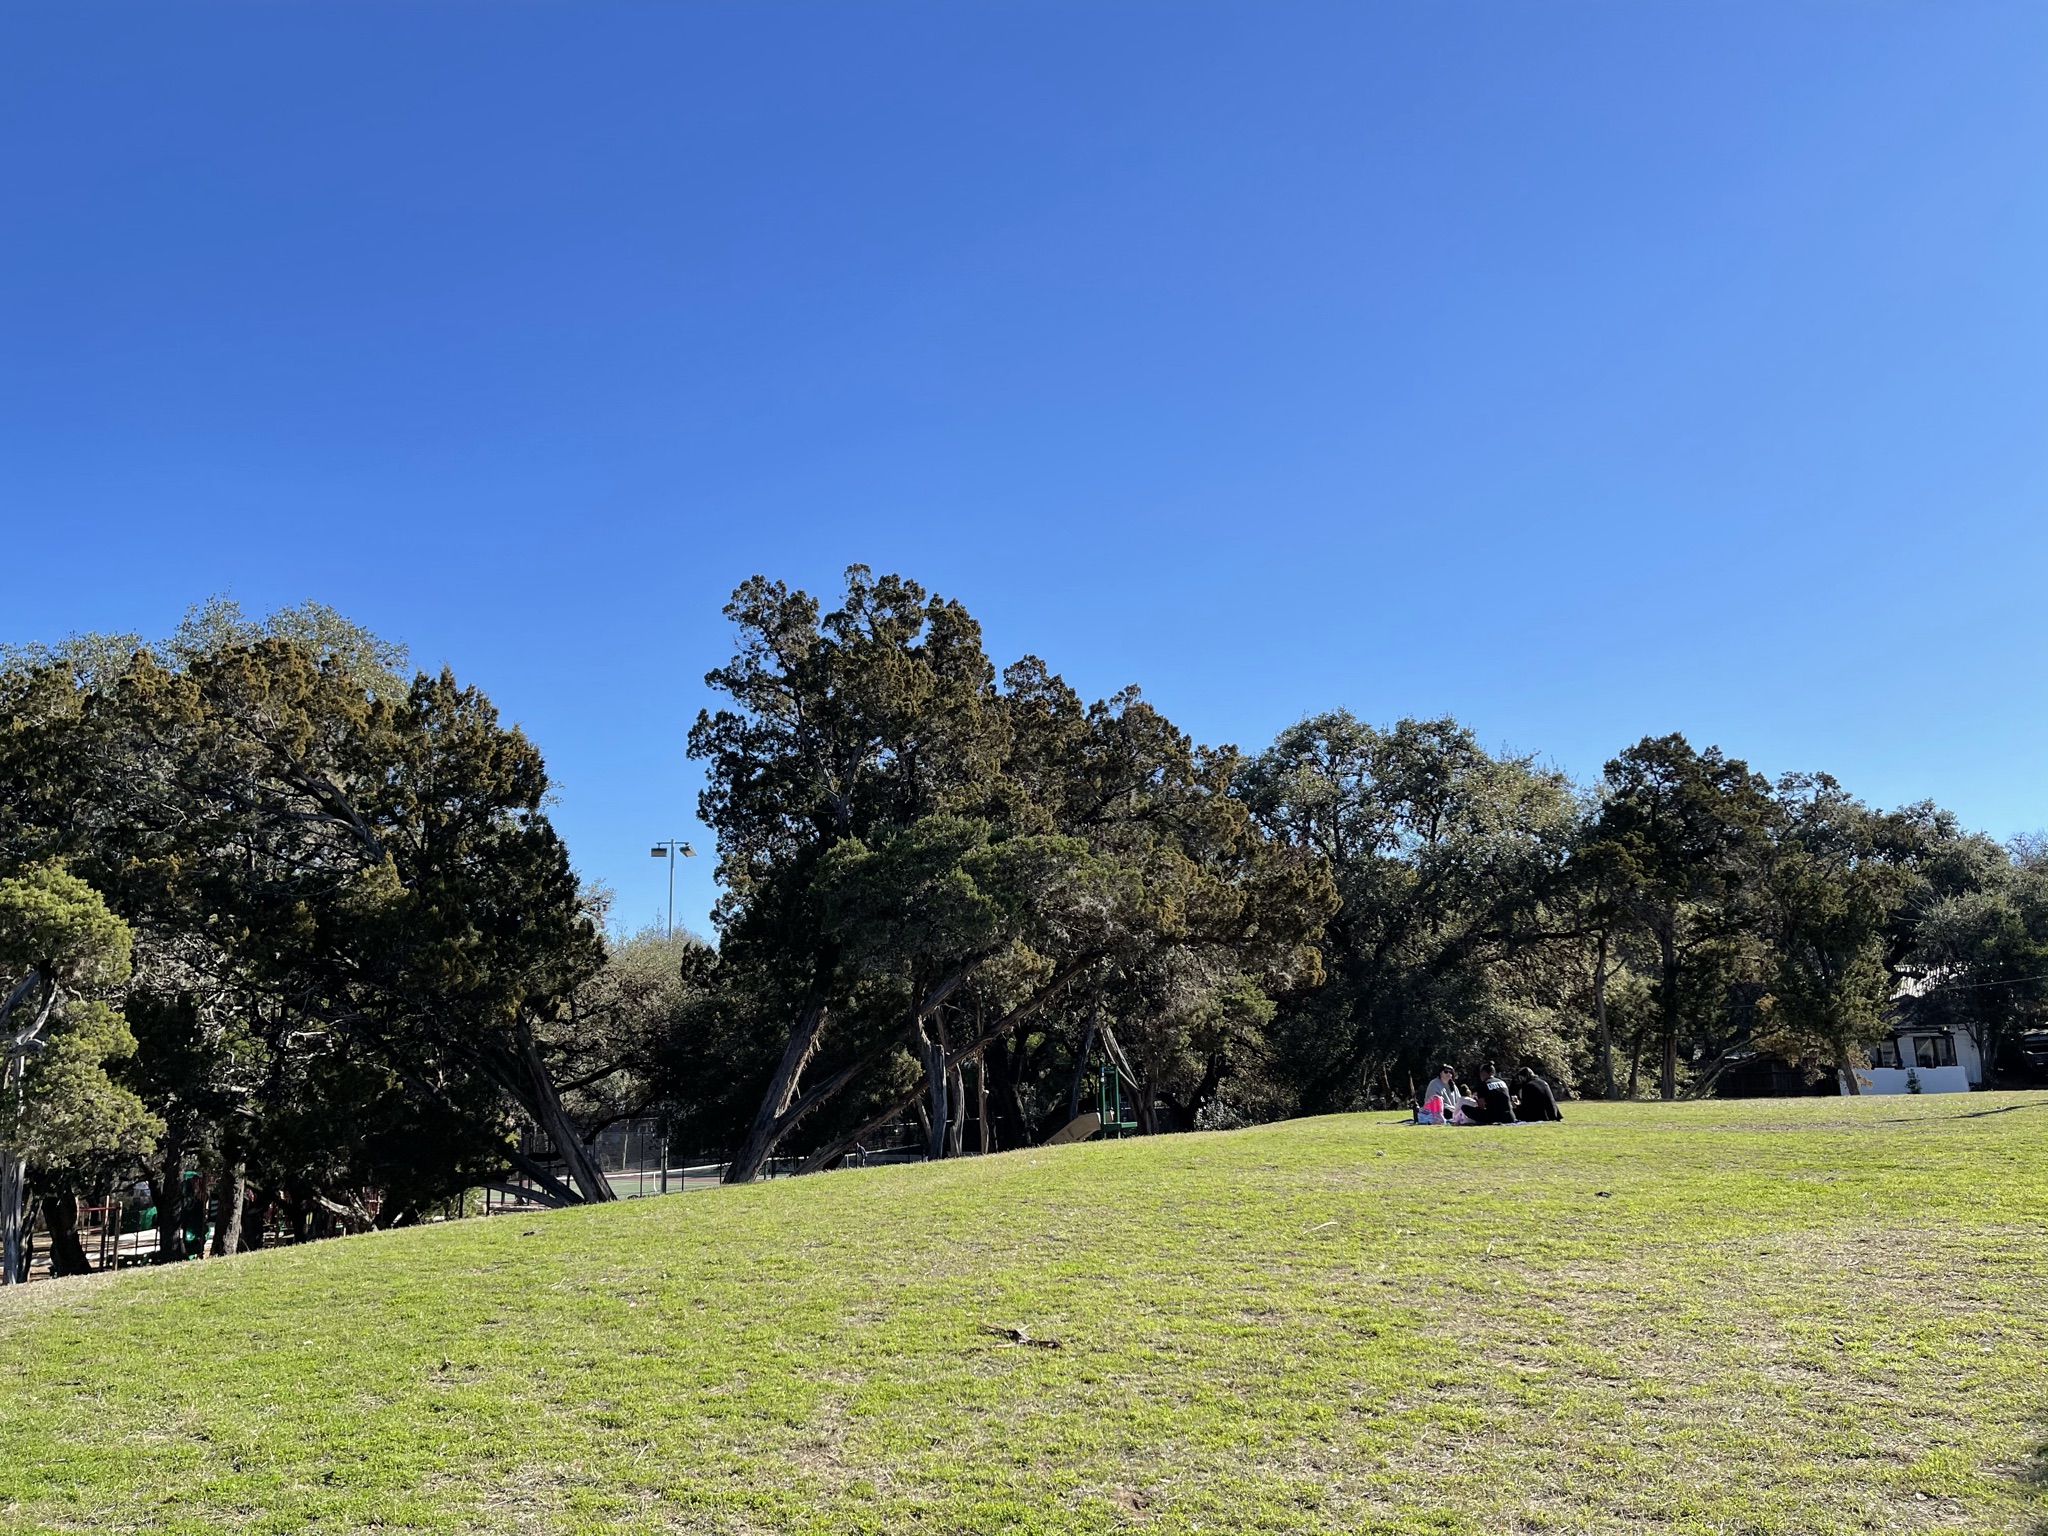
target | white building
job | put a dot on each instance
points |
(1929, 1059)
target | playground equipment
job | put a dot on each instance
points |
(1109, 1101)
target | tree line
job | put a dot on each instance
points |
(274, 909)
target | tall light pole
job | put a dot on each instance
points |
(671, 850)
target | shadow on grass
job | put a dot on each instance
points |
(1970, 1114)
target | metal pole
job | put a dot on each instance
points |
(673, 849)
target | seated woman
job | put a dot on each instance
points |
(1440, 1099)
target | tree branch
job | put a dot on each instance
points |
(560, 1193)
(1001, 1027)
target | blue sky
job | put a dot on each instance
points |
(1581, 370)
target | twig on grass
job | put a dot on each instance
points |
(1019, 1336)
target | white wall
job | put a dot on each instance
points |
(1968, 1059)
(1932, 1079)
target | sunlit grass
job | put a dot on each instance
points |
(1769, 1317)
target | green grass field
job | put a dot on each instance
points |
(1771, 1317)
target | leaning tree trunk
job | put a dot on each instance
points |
(67, 1252)
(1081, 1060)
(931, 1047)
(771, 1121)
(917, 1099)
(13, 1166)
(1604, 1033)
(1011, 1128)
(770, 1129)
(227, 1226)
(983, 1144)
(13, 1186)
(530, 1081)
(1146, 1086)
(198, 1207)
(1668, 1020)
(259, 1203)
(1206, 1091)
(1850, 1087)
(170, 1199)
(956, 1112)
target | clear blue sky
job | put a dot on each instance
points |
(1581, 370)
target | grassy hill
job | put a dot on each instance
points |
(1767, 1317)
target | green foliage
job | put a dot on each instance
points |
(54, 925)
(69, 1111)
(924, 865)
(1975, 942)
(1378, 900)
(1447, 860)
(879, 713)
(610, 1038)
(61, 952)
(1829, 895)
(355, 926)
(1676, 845)
(59, 947)
(371, 664)
(363, 965)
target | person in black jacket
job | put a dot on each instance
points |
(1535, 1098)
(1496, 1106)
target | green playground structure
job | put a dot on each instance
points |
(1109, 1101)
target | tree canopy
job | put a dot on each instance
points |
(276, 906)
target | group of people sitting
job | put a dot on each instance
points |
(1499, 1102)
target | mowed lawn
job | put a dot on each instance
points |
(1799, 1317)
